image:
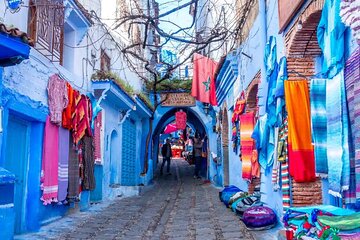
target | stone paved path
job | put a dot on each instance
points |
(176, 207)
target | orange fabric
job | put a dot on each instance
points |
(255, 166)
(68, 111)
(301, 151)
(247, 144)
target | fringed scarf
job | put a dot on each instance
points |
(301, 152)
(337, 136)
(318, 124)
(352, 82)
(50, 160)
(63, 170)
(247, 143)
(283, 158)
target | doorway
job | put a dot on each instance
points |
(114, 158)
(17, 153)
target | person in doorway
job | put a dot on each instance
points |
(167, 155)
(198, 144)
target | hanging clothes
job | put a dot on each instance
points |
(95, 108)
(283, 159)
(180, 120)
(63, 175)
(255, 167)
(50, 161)
(70, 108)
(235, 138)
(350, 15)
(57, 98)
(319, 124)
(337, 136)
(97, 138)
(81, 117)
(301, 153)
(74, 177)
(279, 90)
(88, 182)
(264, 142)
(247, 143)
(352, 82)
(272, 74)
(330, 35)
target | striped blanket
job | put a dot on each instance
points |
(247, 143)
(318, 124)
(352, 82)
(64, 139)
(350, 15)
(337, 134)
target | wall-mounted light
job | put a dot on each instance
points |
(299, 25)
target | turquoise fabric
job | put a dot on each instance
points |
(272, 74)
(279, 90)
(264, 138)
(330, 34)
(325, 208)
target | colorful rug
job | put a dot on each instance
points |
(247, 143)
(301, 152)
(352, 82)
(63, 170)
(73, 188)
(337, 136)
(318, 124)
(50, 161)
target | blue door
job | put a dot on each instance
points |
(16, 160)
(114, 159)
(128, 176)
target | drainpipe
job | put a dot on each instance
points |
(263, 33)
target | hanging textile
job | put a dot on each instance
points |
(203, 84)
(352, 81)
(88, 182)
(63, 176)
(73, 189)
(239, 107)
(350, 15)
(170, 128)
(97, 138)
(283, 159)
(318, 124)
(337, 136)
(301, 153)
(81, 117)
(235, 138)
(180, 120)
(264, 143)
(255, 167)
(330, 35)
(70, 108)
(57, 98)
(50, 161)
(279, 90)
(247, 143)
(272, 74)
(95, 109)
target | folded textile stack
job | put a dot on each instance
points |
(240, 205)
(322, 222)
(226, 194)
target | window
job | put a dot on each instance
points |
(46, 27)
(105, 61)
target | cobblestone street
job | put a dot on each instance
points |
(176, 207)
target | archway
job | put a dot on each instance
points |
(168, 116)
(302, 49)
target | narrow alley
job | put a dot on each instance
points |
(175, 207)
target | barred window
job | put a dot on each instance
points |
(46, 27)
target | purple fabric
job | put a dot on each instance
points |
(64, 138)
(259, 216)
(352, 83)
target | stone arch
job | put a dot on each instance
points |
(302, 42)
(302, 48)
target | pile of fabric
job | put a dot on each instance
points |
(249, 208)
(322, 222)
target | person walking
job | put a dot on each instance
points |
(198, 144)
(167, 155)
